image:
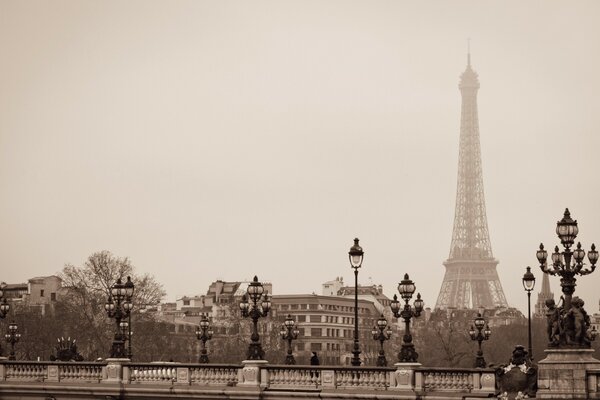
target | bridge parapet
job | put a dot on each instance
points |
(175, 380)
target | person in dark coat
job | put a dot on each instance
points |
(314, 360)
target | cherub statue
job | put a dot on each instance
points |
(580, 322)
(554, 322)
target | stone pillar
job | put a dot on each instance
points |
(113, 371)
(562, 374)
(404, 377)
(328, 379)
(183, 376)
(52, 372)
(484, 381)
(249, 375)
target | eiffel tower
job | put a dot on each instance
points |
(471, 280)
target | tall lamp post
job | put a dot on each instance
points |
(528, 285)
(567, 264)
(480, 332)
(381, 334)
(356, 255)
(12, 336)
(4, 308)
(259, 306)
(118, 306)
(289, 332)
(204, 332)
(406, 288)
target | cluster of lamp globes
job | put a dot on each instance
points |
(480, 330)
(4, 306)
(120, 296)
(567, 231)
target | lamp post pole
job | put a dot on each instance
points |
(258, 307)
(381, 334)
(203, 333)
(129, 334)
(12, 337)
(289, 332)
(356, 255)
(480, 332)
(406, 288)
(528, 285)
(567, 264)
(119, 306)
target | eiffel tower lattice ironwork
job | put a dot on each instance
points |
(471, 280)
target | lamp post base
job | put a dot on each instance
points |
(355, 361)
(118, 349)
(480, 362)
(255, 351)
(407, 353)
(203, 359)
(290, 360)
(381, 361)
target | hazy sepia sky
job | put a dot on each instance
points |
(218, 139)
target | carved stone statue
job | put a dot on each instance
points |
(568, 328)
(66, 350)
(518, 378)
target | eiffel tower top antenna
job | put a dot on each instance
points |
(469, 52)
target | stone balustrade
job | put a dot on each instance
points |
(463, 380)
(40, 371)
(249, 380)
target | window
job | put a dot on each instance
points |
(52, 296)
(312, 307)
(185, 302)
(316, 346)
(315, 318)
(42, 293)
(316, 332)
(301, 318)
(293, 306)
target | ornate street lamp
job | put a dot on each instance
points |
(406, 288)
(480, 332)
(204, 332)
(118, 306)
(381, 334)
(528, 285)
(259, 306)
(4, 308)
(356, 255)
(289, 332)
(570, 328)
(12, 336)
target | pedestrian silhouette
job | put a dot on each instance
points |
(314, 360)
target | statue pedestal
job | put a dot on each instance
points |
(562, 374)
